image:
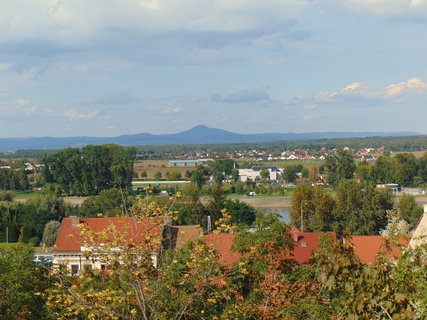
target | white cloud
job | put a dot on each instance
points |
(5, 66)
(387, 8)
(354, 86)
(70, 20)
(358, 93)
(172, 110)
(73, 114)
(310, 117)
(31, 110)
(412, 86)
(20, 102)
(310, 106)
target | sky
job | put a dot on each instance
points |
(113, 67)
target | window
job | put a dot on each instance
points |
(74, 269)
(303, 244)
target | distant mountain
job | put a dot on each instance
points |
(197, 135)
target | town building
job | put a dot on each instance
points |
(189, 162)
(419, 237)
(254, 173)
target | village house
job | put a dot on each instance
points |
(70, 248)
(367, 248)
(254, 173)
(189, 162)
(419, 236)
(305, 243)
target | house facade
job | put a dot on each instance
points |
(73, 252)
(420, 234)
(254, 173)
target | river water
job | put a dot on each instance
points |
(284, 214)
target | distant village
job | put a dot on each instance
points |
(367, 154)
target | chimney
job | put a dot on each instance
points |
(74, 221)
(209, 226)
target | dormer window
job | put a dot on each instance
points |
(303, 244)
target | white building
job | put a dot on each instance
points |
(254, 173)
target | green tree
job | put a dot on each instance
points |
(157, 176)
(216, 201)
(235, 174)
(339, 166)
(290, 173)
(109, 203)
(364, 171)
(200, 175)
(316, 206)
(36, 212)
(51, 230)
(89, 170)
(409, 209)
(241, 213)
(20, 282)
(384, 170)
(264, 174)
(360, 208)
(407, 169)
(7, 196)
(175, 175)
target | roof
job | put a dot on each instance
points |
(69, 238)
(222, 242)
(180, 235)
(368, 247)
(259, 168)
(305, 243)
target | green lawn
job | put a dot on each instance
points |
(27, 194)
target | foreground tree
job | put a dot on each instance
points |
(21, 281)
(189, 282)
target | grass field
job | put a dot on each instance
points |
(285, 163)
(153, 166)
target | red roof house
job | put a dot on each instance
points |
(70, 245)
(368, 247)
(305, 243)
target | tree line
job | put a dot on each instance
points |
(91, 169)
(404, 169)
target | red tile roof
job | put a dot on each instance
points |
(222, 242)
(69, 238)
(305, 243)
(304, 246)
(367, 247)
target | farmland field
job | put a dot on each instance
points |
(153, 166)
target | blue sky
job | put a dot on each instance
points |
(107, 68)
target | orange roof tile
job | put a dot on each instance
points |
(368, 247)
(69, 238)
(222, 242)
